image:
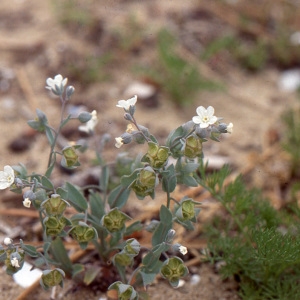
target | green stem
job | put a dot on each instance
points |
(56, 133)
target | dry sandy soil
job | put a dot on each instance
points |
(34, 46)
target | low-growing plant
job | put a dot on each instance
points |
(253, 243)
(99, 219)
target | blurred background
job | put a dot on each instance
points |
(241, 57)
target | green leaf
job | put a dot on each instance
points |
(76, 198)
(169, 180)
(77, 269)
(59, 253)
(118, 196)
(165, 215)
(21, 170)
(104, 178)
(29, 250)
(189, 181)
(127, 180)
(165, 224)
(62, 192)
(147, 278)
(91, 274)
(136, 226)
(49, 135)
(51, 167)
(65, 121)
(96, 205)
(189, 167)
(47, 183)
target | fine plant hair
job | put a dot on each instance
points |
(98, 220)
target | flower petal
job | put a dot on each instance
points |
(201, 111)
(197, 120)
(210, 111)
(213, 120)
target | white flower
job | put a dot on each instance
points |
(7, 241)
(7, 177)
(183, 250)
(15, 263)
(127, 103)
(119, 142)
(90, 125)
(130, 128)
(57, 84)
(27, 202)
(205, 116)
(229, 128)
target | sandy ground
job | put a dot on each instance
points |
(32, 46)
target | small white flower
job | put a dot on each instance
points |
(119, 142)
(205, 116)
(90, 125)
(27, 202)
(127, 103)
(57, 84)
(183, 250)
(15, 263)
(7, 241)
(229, 128)
(130, 128)
(7, 177)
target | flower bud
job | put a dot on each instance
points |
(82, 233)
(148, 178)
(125, 291)
(70, 157)
(152, 226)
(173, 269)
(30, 195)
(55, 206)
(170, 236)
(145, 183)
(156, 156)
(186, 210)
(115, 220)
(128, 117)
(222, 127)
(7, 241)
(193, 147)
(203, 133)
(179, 248)
(69, 91)
(84, 117)
(132, 247)
(126, 138)
(122, 259)
(18, 182)
(52, 278)
(55, 225)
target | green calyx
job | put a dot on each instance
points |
(173, 269)
(115, 220)
(193, 147)
(156, 156)
(55, 206)
(52, 278)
